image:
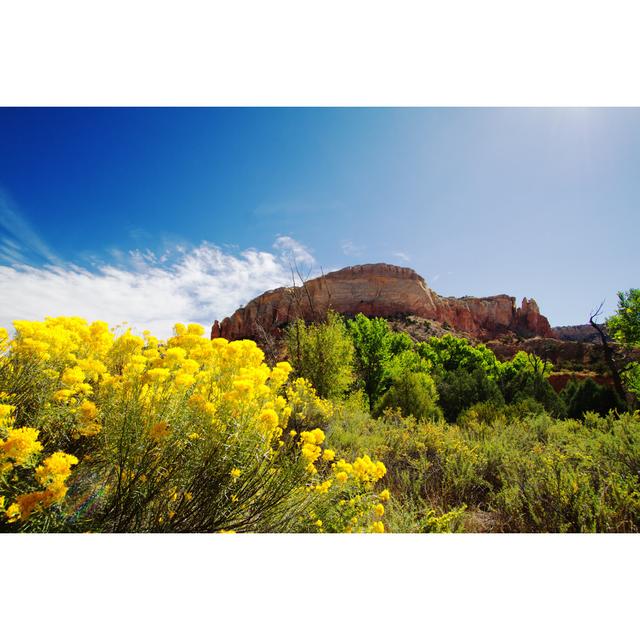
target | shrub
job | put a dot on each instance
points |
(127, 434)
(413, 394)
(323, 354)
(510, 469)
(586, 395)
(460, 389)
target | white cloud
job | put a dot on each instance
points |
(293, 251)
(401, 255)
(13, 223)
(197, 285)
(349, 248)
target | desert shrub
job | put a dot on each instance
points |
(460, 389)
(127, 434)
(586, 395)
(413, 394)
(486, 414)
(510, 468)
(524, 377)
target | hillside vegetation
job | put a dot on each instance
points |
(361, 430)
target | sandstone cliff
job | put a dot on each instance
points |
(385, 291)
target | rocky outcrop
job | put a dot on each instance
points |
(578, 333)
(386, 291)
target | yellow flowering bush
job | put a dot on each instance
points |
(109, 431)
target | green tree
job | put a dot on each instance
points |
(587, 395)
(414, 394)
(524, 377)
(403, 363)
(449, 353)
(322, 353)
(460, 389)
(375, 344)
(624, 327)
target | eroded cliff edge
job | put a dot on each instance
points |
(387, 291)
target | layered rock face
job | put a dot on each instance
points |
(386, 291)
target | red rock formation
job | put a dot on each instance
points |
(385, 291)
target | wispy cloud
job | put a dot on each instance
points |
(401, 255)
(190, 285)
(351, 249)
(10, 251)
(20, 237)
(294, 251)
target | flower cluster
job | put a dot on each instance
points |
(19, 449)
(191, 434)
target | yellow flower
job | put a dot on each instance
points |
(195, 329)
(268, 420)
(341, 476)
(5, 413)
(87, 410)
(284, 366)
(53, 472)
(62, 395)
(311, 452)
(184, 379)
(379, 510)
(323, 487)
(384, 495)
(175, 355)
(13, 513)
(243, 387)
(72, 376)
(21, 444)
(190, 366)
(377, 527)
(312, 437)
(328, 455)
(157, 375)
(236, 473)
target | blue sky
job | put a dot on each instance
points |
(163, 215)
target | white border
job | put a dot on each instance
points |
(334, 52)
(305, 586)
(319, 53)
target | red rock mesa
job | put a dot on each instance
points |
(387, 291)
